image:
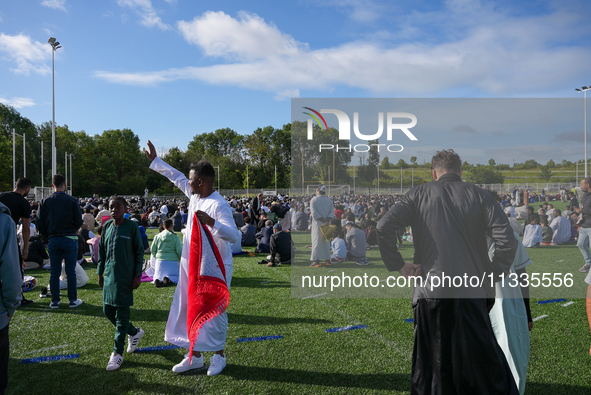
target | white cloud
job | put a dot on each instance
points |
(491, 54)
(246, 38)
(364, 11)
(171, 1)
(28, 55)
(144, 8)
(55, 4)
(18, 102)
(287, 94)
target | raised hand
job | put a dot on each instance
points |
(152, 154)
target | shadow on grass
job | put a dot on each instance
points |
(255, 282)
(265, 320)
(97, 311)
(556, 389)
(397, 382)
(75, 378)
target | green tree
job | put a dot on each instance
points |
(491, 162)
(530, 164)
(385, 163)
(413, 160)
(551, 164)
(11, 119)
(401, 164)
(545, 173)
(484, 175)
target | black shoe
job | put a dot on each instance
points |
(43, 293)
(25, 302)
(158, 283)
(166, 281)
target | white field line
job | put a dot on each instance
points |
(540, 317)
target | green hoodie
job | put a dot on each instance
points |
(167, 246)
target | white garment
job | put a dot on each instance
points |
(321, 207)
(561, 228)
(532, 235)
(339, 248)
(285, 221)
(508, 318)
(164, 209)
(511, 210)
(212, 336)
(81, 277)
(516, 226)
(168, 269)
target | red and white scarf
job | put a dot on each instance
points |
(208, 291)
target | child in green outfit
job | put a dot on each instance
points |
(121, 255)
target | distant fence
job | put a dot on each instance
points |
(549, 188)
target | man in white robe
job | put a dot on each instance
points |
(215, 212)
(322, 211)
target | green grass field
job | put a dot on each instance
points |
(308, 360)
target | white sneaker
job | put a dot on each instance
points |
(217, 363)
(197, 363)
(75, 303)
(133, 341)
(114, 362)
(585, 268)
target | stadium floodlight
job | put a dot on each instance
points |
(55, 45)
(584, 89)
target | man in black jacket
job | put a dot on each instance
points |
(255, 208)
(58, 218)
(281, 247)
(455, 350)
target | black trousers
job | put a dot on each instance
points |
(455, 350)
(4, 349)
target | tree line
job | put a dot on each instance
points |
(113, 162)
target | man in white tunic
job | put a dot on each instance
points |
(214, 212)
(322, 210)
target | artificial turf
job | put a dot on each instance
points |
(307, 360)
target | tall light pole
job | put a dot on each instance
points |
(42, 164)
(55, 45)
(584, 90)
(218, 167)
(66, 168)
(71, 187)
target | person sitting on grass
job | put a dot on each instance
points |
(248, 233)
(121, 257)
(37, 256)
(264, 237)
(533, 233)
(281, 247)
(339, 249)
(546, 232)
(561, 228)
(355, 241)
(166, 250)
(262, 221)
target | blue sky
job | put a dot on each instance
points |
(169, 69)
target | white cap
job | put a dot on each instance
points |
(322, 188)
